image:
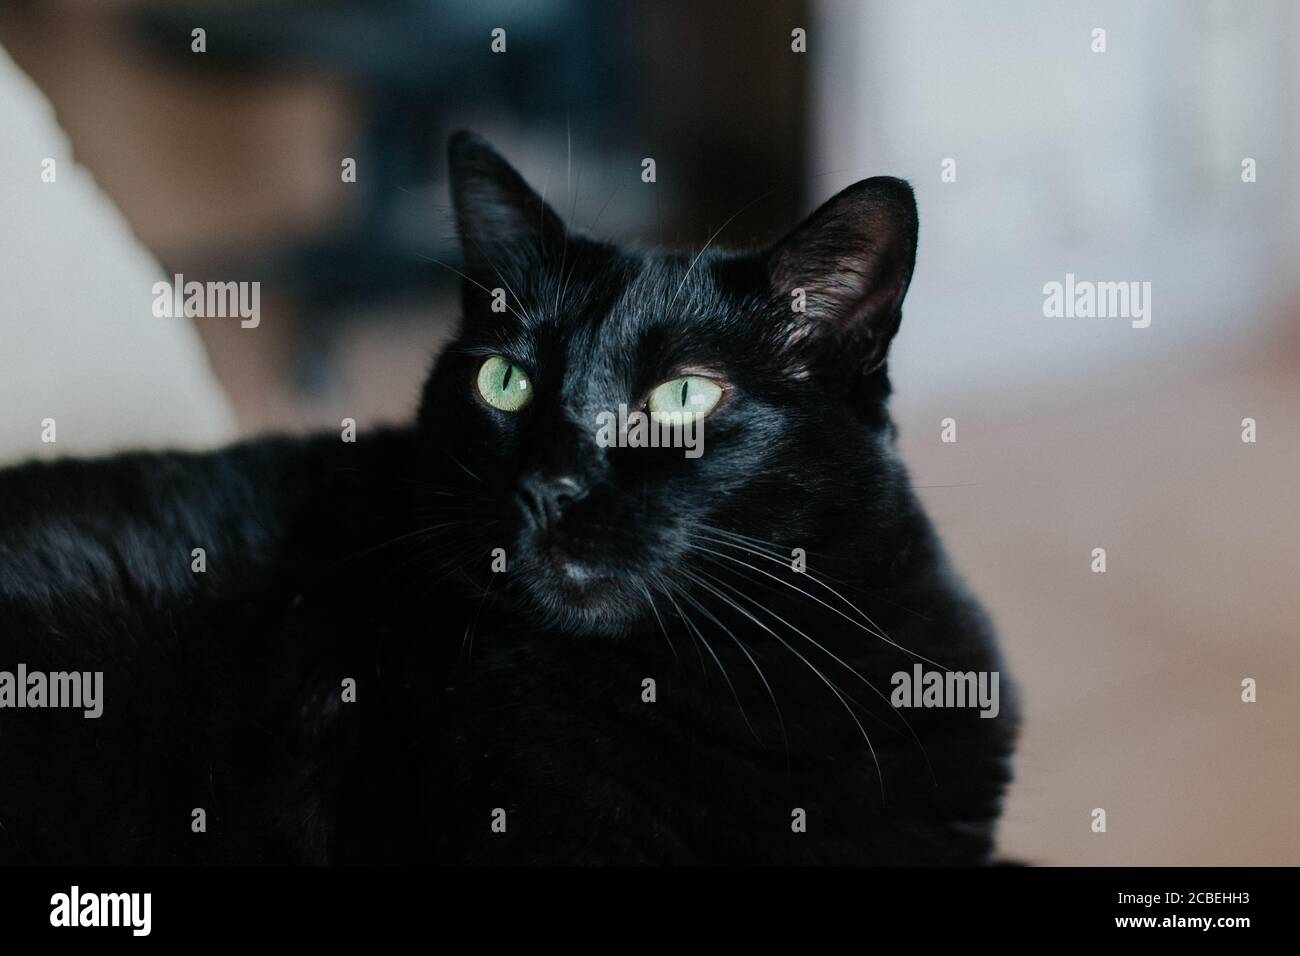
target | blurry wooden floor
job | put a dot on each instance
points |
(1131, 679)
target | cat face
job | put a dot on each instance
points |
(573, 355)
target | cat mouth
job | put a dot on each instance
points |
(581, 583)
(578, 593)
(578, 574)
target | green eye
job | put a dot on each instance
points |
(690, 394)
(504, 385)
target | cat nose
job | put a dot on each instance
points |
(543, 498)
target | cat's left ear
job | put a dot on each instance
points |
(853, 261)
(498, 215)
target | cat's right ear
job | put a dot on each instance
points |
(844, 271)
(498, 215)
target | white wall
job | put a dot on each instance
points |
(78, 341)
(1123, 165)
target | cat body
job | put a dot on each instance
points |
(221, 670)
(490, 637)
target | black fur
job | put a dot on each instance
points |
(523, 690)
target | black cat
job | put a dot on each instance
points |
(511, 632)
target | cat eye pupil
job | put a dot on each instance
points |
(690, 394)
(503, 384)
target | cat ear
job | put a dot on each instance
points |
(853, 259)
(497, 214)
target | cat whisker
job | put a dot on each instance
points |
(435, 546)
(453, 490)
(833, 656)
(500, 244)
(418, 532)
(717, 232)
(776, 552)
(591, 227)
(813, 667)
(751, 599)
(717, 660)
(463, 467)
(874, 630)
(777, 557)
(753, 663)
(783, 562)
(650, 601)
(474, 282)
(457, 562)
(356, 556)
(433, 510)
(568, 184)
(768, 547)
(573, 208)
(472, 628)
(690, 628)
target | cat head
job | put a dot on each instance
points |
(576, 362)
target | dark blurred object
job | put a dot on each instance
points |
(410, 59)
(695, 86)
(227, 164)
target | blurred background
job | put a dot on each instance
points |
(1072, 434)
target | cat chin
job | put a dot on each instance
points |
(612, 614)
